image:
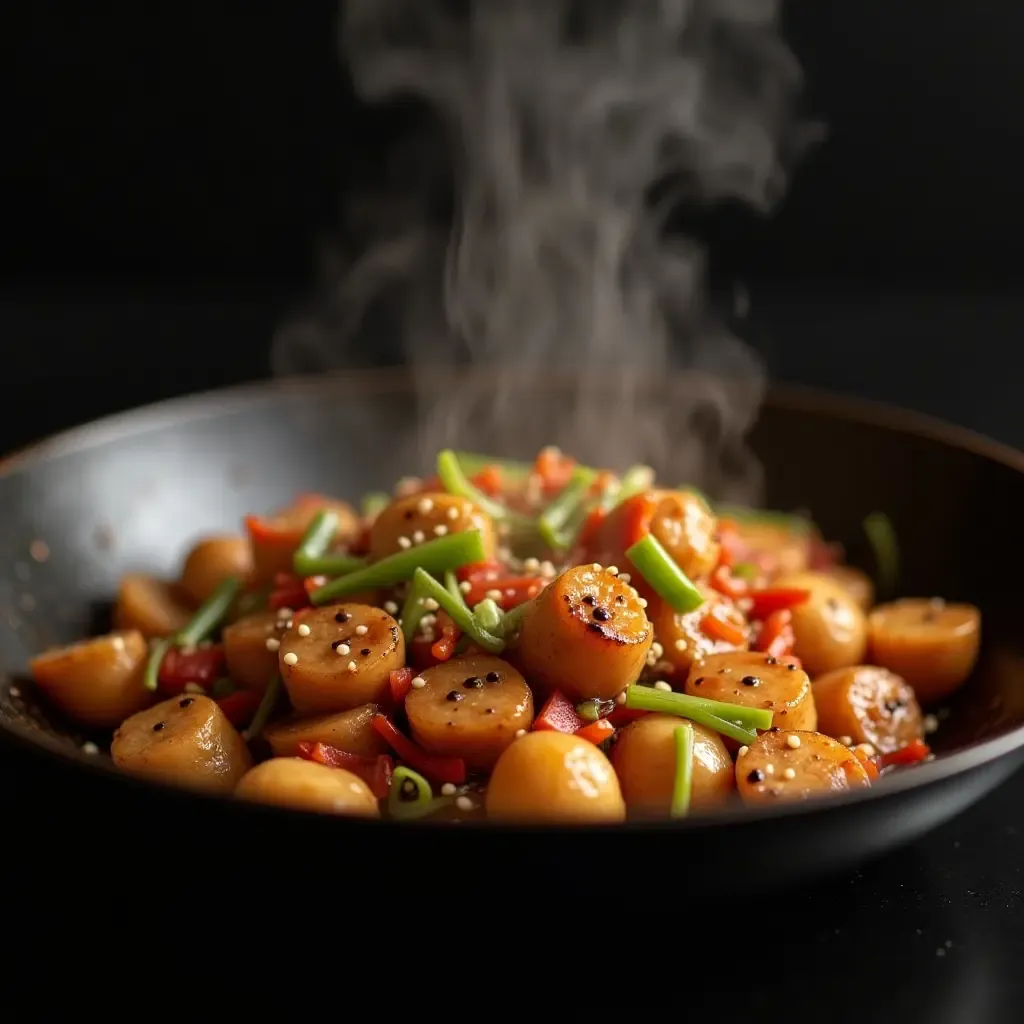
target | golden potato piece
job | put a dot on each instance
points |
(251, 649)
(418, 517)
(96, 682)
(586, 634)
(829, 626)
(351, 731)
(758, 681)
(308, 786)
(931, 644)
(856, 583)
(340, 657)
(790, 765)
(186, 740)
(778, 549)
(471, 708)
(150, 606)
(681, 636)
(213, 560)
(554, 777)
(869, 705)
(644, 758)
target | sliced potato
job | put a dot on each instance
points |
(96, 682)
(351, 731)
(554, 777)
(149, 605)
(251, 648)
(308, 786)
(856, 583)
(869, 705)
(683, 639)
(420, 517)
(340, 657)
(586, 634)
(931, 644)
(213, 560)
(644, 757)
(829, 627)
(186, 740)
(470, 707)
(789, 765)
(758, 681)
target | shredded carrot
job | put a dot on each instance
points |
(719, 629)
(554, 469)
(776, 635)
(597, 732)
(512, 590)
(444, 647)
(489, 480)
(637, 513)
(869, 763)
(725, 583)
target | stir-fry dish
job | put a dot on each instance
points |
(519, 642)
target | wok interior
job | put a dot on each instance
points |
(134, 495)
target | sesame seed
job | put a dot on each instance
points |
(428, 620)
(284, 613)
(424, 506)
(417, 684)
(792, 742)
(642, 602)
(430, 604)
(742, 751)
(353, 667)
(662, 685)
(680, 645)
(505, 554)
(625, 577)
(520, 732)
(448, 789)
(531, 565)
(465, 586)
(464, 803)
(14, 692)
(931, 723)
(494, 595)
(303, 629)
(620, 698)
(391, 608)
(547, 568)
(418, 537)
(408, 485)
(769, 769)
(596, 566)
(288, 624)
(613, 569)
(291, 659)
(361, 630)
(453, 513)
(404, 543)
(343, 649)
(866, 749)
(440, 530)
(90, 748)
(657, 650)
(847, 741)
(194, 688)
(789, 773)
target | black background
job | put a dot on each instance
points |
(168, 168)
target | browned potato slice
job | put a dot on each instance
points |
(790, 765)
(778, 549)
(212, 561)
(870, 705)
(251, 648)
(829, 626)
(758, 681)
(587, 635)
(347, 730)
(554, 777)
(470, 708)
(308, 786)
(340, 657)
(681, 636)
(856, 583)
(644, 757)
(97, 682)
(933, 645)
(421, 517)
(150, 606)
(186, 740)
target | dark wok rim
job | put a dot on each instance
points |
(791, 397)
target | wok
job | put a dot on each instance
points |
(131, 492)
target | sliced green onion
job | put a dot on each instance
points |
(682, 784)
(560, 522)
(473, 464)
(451, 584)
(734, 720)
(459, 612)
(423, 803)
(633, 481)
(265, 709)
(659, 569)
(456, 482)
(787, 521)
(512, 619)
(488, 614)
(311, 558)
(211, 613)
(373, 504)
(222, 687)
(412, 611)
(436, 556)
(589, 710)
(880, 532)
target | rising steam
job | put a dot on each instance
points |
(561, 119)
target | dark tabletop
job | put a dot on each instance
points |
(934, 931)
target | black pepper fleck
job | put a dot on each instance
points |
(755, 776)
(750, 681)
(588, 599)
(473, 683)
(185, 703)
(601, 614)
(892, 706)
(490, 711)
(365, 652)
(791, 666)
(619, 599)
(158, 726)
(493, 677)
(342, 617)
(771, 661)
(698, 681)
(455, 695)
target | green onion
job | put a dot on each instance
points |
(512, 620)
(435, 556)
(265, 709)
(209, 616)
(311, 558)
(633, 481)
(412, 611)
(589, 710)
(459, 612)
(560, 522)
(374, 503)
(456, 482)
(659, 569)
(734, 720)
(473, 464)
(682, 785)
(451, 584)
(787, 521)
(424, 802)
(488, 614)
(880, 532)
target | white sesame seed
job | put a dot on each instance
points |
(491, 574)
(453, 513)
(288, 624)
(847, 741)
(657, 650)
(769, 769)
(531, 565)
(353, 667)
(680, 645)
(742, 751)
(417, 684)
(404, 543)
(440, 530)
(430, 604)
(291, 659)
(866, 749)
(931, 723)
(303, 629)
(343, 649)
(391, 608)
(14, 692)
(547, 568)
(408, 485)
(620, 697)
(625, 577)
(651, 659)
(744, 604)
(194, 688)
(90, 748)
(424, 505)
(428, 620)
(464, 803)
(494, 595)
(428, 636)
(448, 789)
(613, 569)
(284, 613)
(520, 732)
(792, 742)
(505, 554)
(642, 601)
(418, 537)
(362, 630)
(662, 685)
(789, 773)
(465, 586)
(596, 566)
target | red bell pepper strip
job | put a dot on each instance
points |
(514, 590)
(594, 521)
(444, 647)
(868, 762)
(912, 753)
(202, 666)
(719, 629)
(771, 600)
(725, 583)
(554, 469)
(776, 636)
(480, 570)
(400, 681)
(731, 546)
(559, 715)
(622, 716)
(376, 772)
(597, 732)
(240, 706)
(637, 513)
(435, 768)
(289, 592)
